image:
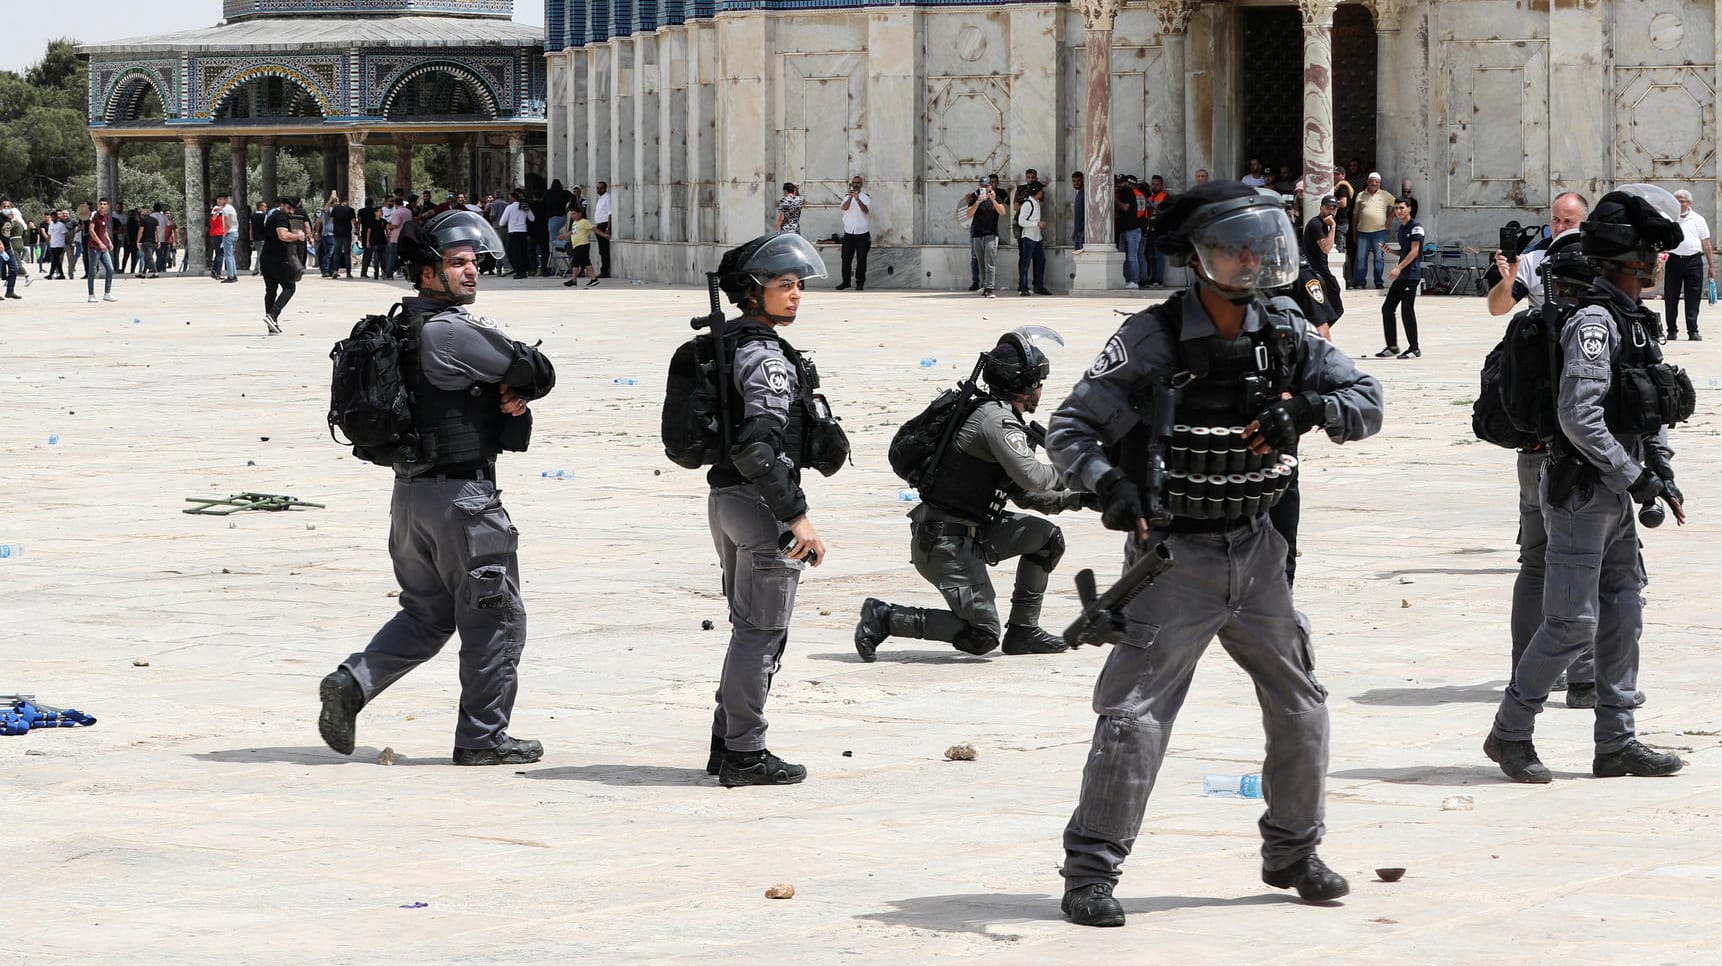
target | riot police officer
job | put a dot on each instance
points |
(1232, 381)
(452, 543)
(757, 510)
(1614, 398)
(961, 524)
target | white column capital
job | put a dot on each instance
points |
(1389, 14)
(1173, 15)
(1317, 13)
(1099, 14)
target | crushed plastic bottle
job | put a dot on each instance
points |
(929, 362)
(11, 550)
(137, 321)
(557, 474)
(625, 381)
(53, 439)
(1232, 786)
(909, 495)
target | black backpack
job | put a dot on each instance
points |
(920, 443)
(1489, 419)
(692, 423)
(370, 395)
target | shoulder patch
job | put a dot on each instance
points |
(1018, 443)
(1111, 358)
(1317, 293)
(776, 371)
(1592, 337)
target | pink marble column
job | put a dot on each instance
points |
(1097, 16)
(1317, 102)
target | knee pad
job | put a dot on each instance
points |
(1051, 552)
(973, 640)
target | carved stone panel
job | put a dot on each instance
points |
(1495, 117)
(1136, 75)
(1662, 116)
(823, 99)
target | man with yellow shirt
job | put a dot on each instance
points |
(1373, 207)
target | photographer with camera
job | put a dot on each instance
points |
(984, 209)
(1521, 272)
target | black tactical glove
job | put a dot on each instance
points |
(1120, 501)
(1654, 462)
(1647, 487)
(1089, 501)
(1284, 420)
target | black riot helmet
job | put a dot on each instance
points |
(1239, 242)
(744, 270)
(1566, 271)
(1014, 366)
(424, 245)
(1630, 227)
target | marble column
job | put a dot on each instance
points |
(404, 162)
(356, 168)
(1171, 117)
(115, 194)
(331, 169)
(240, 193)
(517, 160)
(459, 154)
(1390, 74)
(1318, 150)
(266, 170)
(1098, 263)
(194, 218)
(104, 173)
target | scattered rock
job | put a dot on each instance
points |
(706, 625)
(310, 526)
(264, 438)
(393, 593)
(1458, 803)
(782, 890)
(1390, 875)
(250, 462)
(849, 754)
(232, 526)
(140, 662)
(226, 571)
(34, 751)
(657, 472)
(1404, 603)
(824, 613)
(962, 752)
(1407, 579)
(387, 757)
(1386, 921)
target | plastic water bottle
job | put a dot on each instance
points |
(137, 321)
(1232, 786)
(11, 550)
(1710, 290)
(625, 381)
(53, 439)
(929, 362)
(557, 474)
(909, 495)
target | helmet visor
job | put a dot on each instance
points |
(457, 229)
(785, 253)
(1251, 248)
(1659, 198)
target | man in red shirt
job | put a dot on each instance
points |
(99, 253)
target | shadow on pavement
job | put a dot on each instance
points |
(974, 912)
(1483, 774)
(905, 657)
(311, 755)
(1487, 693)
(1449, 571)
(624, 775)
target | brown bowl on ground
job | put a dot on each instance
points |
(1390, 875)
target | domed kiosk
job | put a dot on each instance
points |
(338, 74)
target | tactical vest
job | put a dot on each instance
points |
(811, 436)
(455, 426)
(1645, 394)
(968, 486)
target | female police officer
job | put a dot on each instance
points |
(1224, 358)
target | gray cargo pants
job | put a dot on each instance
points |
(454, 551)
(760, 583)
(1592, 596)
(1231, 584)
(957, 564)
(1528, 587)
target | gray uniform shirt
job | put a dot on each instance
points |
(1098, 411)
(995, 434)
(1589, 342)
(765, 377)
(458, 348)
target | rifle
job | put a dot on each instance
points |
(1163, 405)
(1102, 617)
(720, 358)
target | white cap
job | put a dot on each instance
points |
(1373, 175)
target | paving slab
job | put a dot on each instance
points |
(203, 821)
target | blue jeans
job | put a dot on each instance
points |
(95, 258)
(9, 270)
(1131, 241)
(1369, 249)
(229, 263)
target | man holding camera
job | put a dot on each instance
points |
(984, 211)
(857, 234)
(1521, 272)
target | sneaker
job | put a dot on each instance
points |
(1093, 905)
(1637, 760)
(987, 293)
(109, 297)
(1031, 639)
(1411, 354)
(13, 295)
(1314, 881)
(757, 768)
(872, 629)
(844, 287)
(1042, 291)
(508, 751)
(1518, 760)
(591, 282)
(975, 287)
(1022, 291)
(714, 761)
(860, 286)
(1388, 352)
(342, 701)
(28, 279)
(571, 282)
(273, 326)
(235, 278)
(1694, 337)
(93, 299)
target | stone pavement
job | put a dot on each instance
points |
(202, 820)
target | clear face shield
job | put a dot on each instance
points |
(785, 253)
(1663, 201)
(1247, 250)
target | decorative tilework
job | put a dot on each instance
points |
(608, 19)
(241, 9)
(496, 73)
(116, 89)
(215, 78)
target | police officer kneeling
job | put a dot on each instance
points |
(1243, 378)
(1613, 400)
(452, 543)
(961, 525)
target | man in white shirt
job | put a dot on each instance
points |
(229, 239)
(857, 234)
(1684, 275)
(515, 219)
(603, 207)
(1522, 277)
(1031, 247)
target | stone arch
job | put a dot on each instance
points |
(242, 79)
(477, 87)
(126, 96)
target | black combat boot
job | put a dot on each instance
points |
(872, 629)
(1031, 639)
(342, 700)
(1311, 877)
(1518, 760)
(1637, 760)
(715, 761)
(508, 751)
(1093, 905)
(757, 768)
